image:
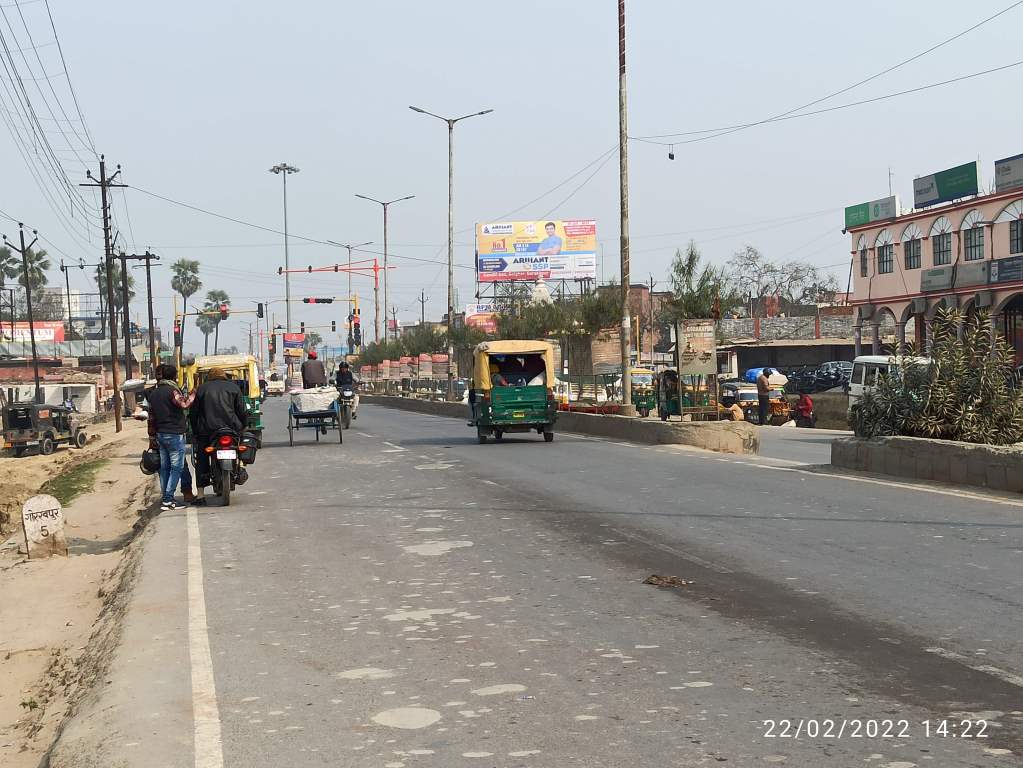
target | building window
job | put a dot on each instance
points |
(885, 259)
(974, 240)
(1016, 236)
(942, 249)
(863, 262)
(911, 249)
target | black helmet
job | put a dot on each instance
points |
(150, 463)
(344, 363)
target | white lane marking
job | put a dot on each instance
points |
(1001, 674)
(209, 751)
(364, 434)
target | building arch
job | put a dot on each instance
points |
(884, 237)
(971, 219)
(861, 244)
(941, 226)
(1011, 212)
(912, 232)
(945, 302)
(1016, 297)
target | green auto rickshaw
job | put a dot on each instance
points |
(511, 389)
(667, 394)
(643, 396)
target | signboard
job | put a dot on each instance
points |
(529, 250)
(943, 186)
(971, 273)
(42, 518)
(293, 344)
(937, 279)
(1006, 270)
(1008, 173)
(44, 331)
(698, 349)
(482, 316)
(876, 210)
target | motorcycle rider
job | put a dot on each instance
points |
(218, 405)
(345, 379)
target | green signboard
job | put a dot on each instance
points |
(876, 210)
(943, 186)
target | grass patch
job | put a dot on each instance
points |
(80, 479)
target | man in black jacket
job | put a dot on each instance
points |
(218, 405)
(167, 432)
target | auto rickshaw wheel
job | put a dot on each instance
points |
(80, 439)
(19, 452)
(548, 437)
(498, 434)
(644, 412)
(46, 446)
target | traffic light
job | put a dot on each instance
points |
(273, 343)
(309, 300)
(178, 341)
(357, 336)
(259, 310)
(224, 311)
(301, 327)
(333, 326)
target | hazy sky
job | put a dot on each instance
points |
(197, 100)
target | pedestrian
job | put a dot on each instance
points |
(764, 395)
(167, 427)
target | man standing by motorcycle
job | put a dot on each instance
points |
(167, 406)
(218, 405)
(345, 379)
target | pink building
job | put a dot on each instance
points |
(966, 254)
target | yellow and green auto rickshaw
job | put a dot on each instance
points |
(643, 396)
(511, 389)
(243, 369)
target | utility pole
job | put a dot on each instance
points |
(28, 302)
(67, 290)
(394, 321)
(126, 318)
(104, 184)
(650, 325)
(623, 172)
(148, 258)
(422, 308)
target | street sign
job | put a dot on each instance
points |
(42, 519)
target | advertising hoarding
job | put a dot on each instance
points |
(482, 316)
(529, 250)
(697, 348)
(1009, 173)
(875, 210)
(293, 343)
(44, 331)
(946, 185)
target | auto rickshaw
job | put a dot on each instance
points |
(511, 389)
(41, 426)
(643, 396)
(746, 397)
(668, 394)
(242, 369)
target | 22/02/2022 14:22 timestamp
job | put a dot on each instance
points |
(841, 728)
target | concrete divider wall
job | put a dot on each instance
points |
(723, 436)
(999, 468)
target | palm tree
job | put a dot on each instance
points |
(38, 264)
(214, 299)
(10, 265)
(185, 282)
(206, 325)
(101, 283)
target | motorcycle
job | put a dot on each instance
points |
(346, 401)
(231, 454)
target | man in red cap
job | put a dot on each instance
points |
(313, 372)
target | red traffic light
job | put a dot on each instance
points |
(224, 311)
(309, 300)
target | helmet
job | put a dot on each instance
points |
(344, 363)
(312, 354)
(150, 463)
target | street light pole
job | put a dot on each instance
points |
(623, 160)
(451, 232)
(385, 206)
(285, 169)
(350, 248)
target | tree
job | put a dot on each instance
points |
(694, 288)
(38, 264)
(186, 283)
(207, 325)
(795, 283)
(10, 265)
(209, 321)
(115, 272)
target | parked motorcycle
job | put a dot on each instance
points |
(230, 453)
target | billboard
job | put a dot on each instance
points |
(943, 186)
(482, 316)
(698, 348)
(1009, 173)
(529, 250)
(44, 331)
(293, 344)
(875, 210)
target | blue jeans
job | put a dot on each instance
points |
(172, 463)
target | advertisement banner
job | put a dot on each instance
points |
(876, 210)
(482, 316)
(293, 343)
(44, 331)
(698, 348)
(529, 250)
(1008, 173)
(943, 186)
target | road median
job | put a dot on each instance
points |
(736, 437)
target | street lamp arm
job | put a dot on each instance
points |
(371, 199)
(474, 114)
(422, 111)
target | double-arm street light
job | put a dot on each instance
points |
(285, 169)
(385, 206)
(451, 231)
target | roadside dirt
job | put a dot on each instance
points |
(59, 615)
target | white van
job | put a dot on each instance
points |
(866, 369)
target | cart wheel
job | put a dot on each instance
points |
(291, 432)
(548, 437)
(46, 446)
(80, 439)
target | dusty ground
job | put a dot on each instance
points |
(55, 612)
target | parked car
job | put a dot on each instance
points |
(865, 371)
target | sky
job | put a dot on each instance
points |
(197, 100)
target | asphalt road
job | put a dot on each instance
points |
(412, 598)
(802, 446)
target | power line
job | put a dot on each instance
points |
(576, 190)
(732, 129)
(63, 61)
